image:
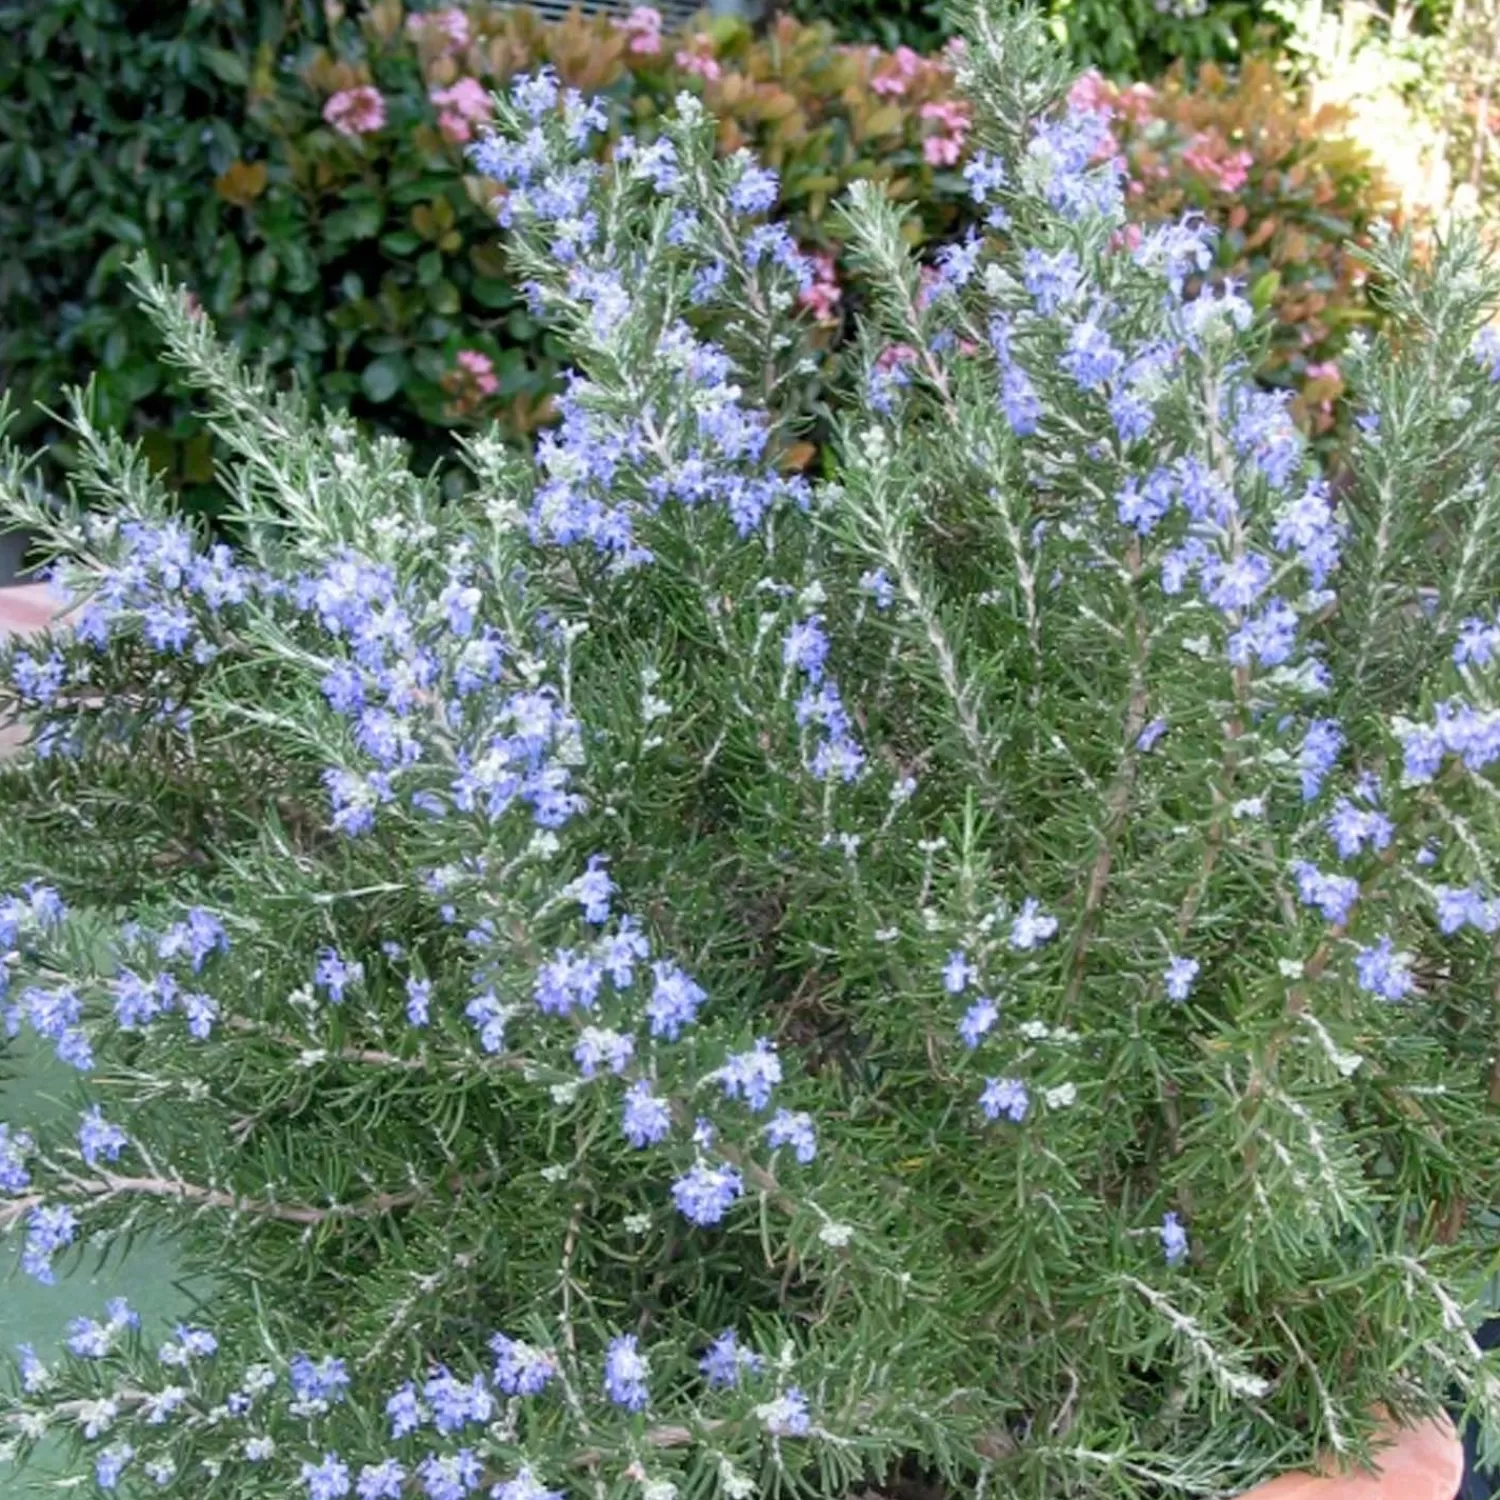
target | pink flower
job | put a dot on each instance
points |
(1138, 102)
(480, 369)
(450, 27)
(1227, 173)
(951, 117)
(461, 106)
(643, 26)
(1234, 172)
(942, 150)
(896, 72)
(1328, 370)
(893, 355)
(1091, 91)
(950, 114)
(700, 59)
(822, 298)
(355, 112)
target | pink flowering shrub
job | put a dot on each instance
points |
(697, 58)
(894, 74)
(447, 29)
(643, 27)
(357, 111)
(460, 107)
(471, 382)
(948, 128)
(821, 297)
(1224, 170)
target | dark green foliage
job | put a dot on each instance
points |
(115, 117)
(1122, 38)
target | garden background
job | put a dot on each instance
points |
(301, 166)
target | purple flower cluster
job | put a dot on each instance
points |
(1308, 526)
(1263, 431)
(1060, 163)
(1333, 895)
(454, 1403)
(1031, 926)
(837, 754)
(54, 1014)
(1091, 359)
(1177, 249)
(794, 1129)
(1457, 728)
(1353, 828)
(645, 1118)
(520, 1369)
(1318, 755)
(1384, 972)
(978, 1021)
(1465, 906)
(318, 1383)
(985, 173)
(1179, 977)
(751, 1075)
(727, 1361)
(625, 1373)
(49, 1228)
(1019, 400)
(15, 1147)
(1478, 643)
(704, 1194)
(1174, 1240)
(98, 1138)
(1007, 1097)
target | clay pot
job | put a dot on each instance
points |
(1420, 1463)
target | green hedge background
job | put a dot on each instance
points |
(361, 268)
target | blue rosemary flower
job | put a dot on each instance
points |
(625, 1373)
(1174, 1240)
(327, 1479)
(1005, 1096)
(703, 1195)
(794, 1129)
(97, 1137)
(751, 1075)
(521, 1369)
(726, 1360)
(1179, 977)
(1384, 972)
(645, 1119)
(675, 1000)
(977, 1021)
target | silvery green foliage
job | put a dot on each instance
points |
(676, 978)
